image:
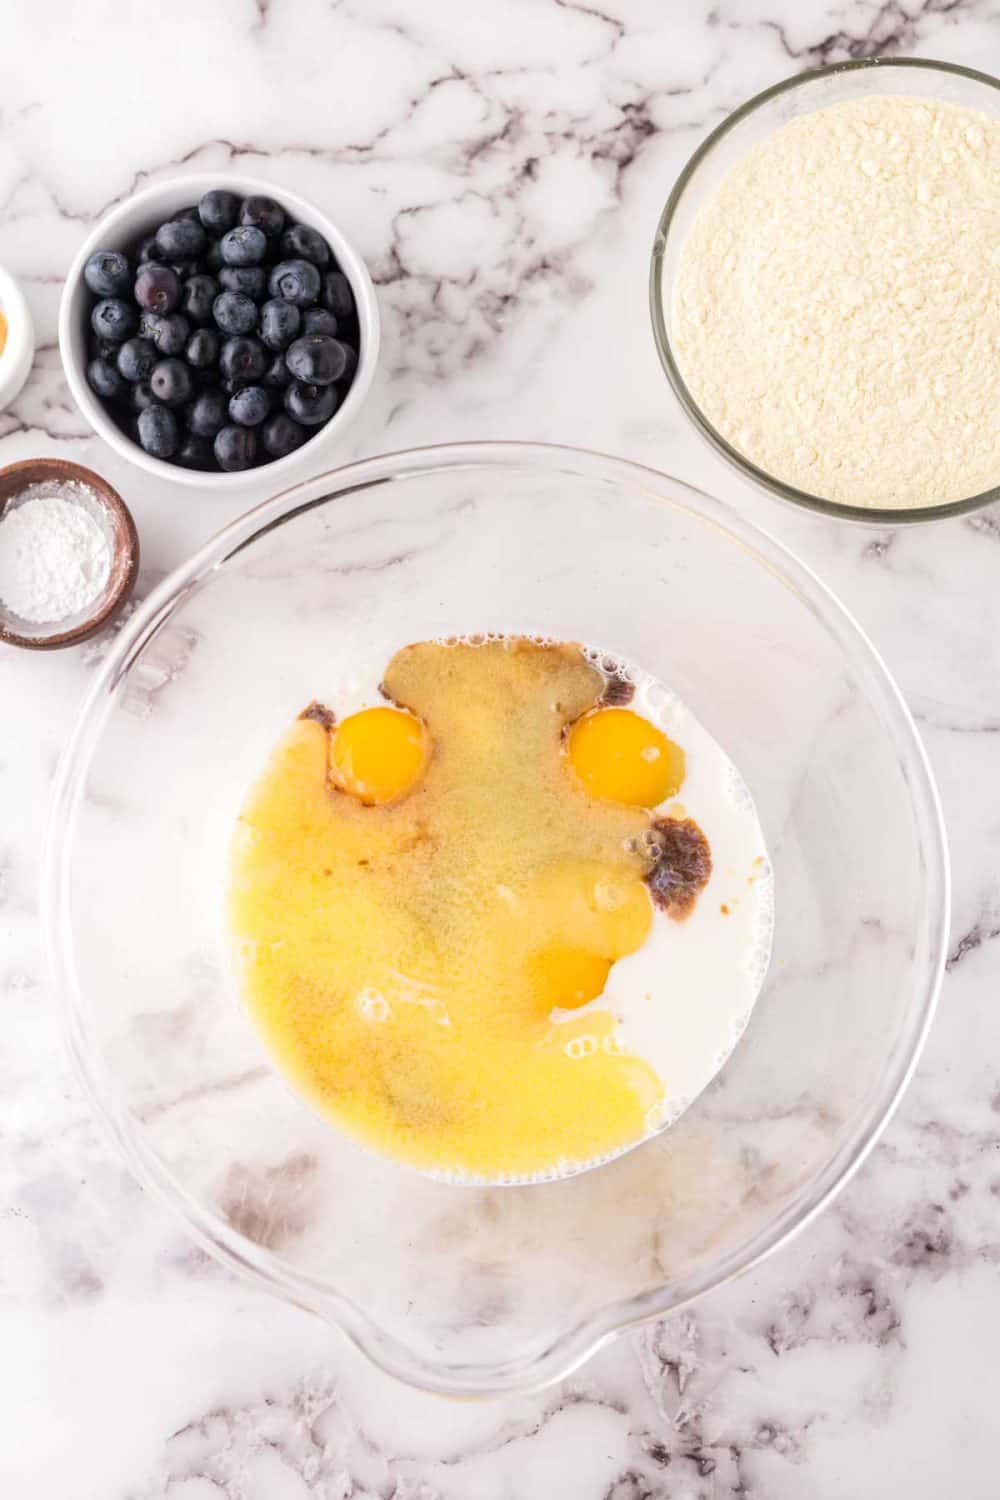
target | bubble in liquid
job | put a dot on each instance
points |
(373, 1006)
(763, 897)
(581, 1046)
(736, 1030)
(655, 696)
(245, 952)
(608, 896)
(737, 789)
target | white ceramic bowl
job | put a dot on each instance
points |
(140, 215)
(19, 350)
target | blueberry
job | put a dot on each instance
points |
(200, 291)
(202, 348)
(242, 361)
(212, 259)
(147, 249)
(196, 453)
(337, 295)
(102, 348)
(311, 404)
(208, 413)
(181, 239)
(105, 379)
(281, 436)
(191, 212)
(277, 375)
(128, 424)
(302, 242)
(171, 382)
(218, 210)
(235, 313)
(158, 431)
(114, 319)
(297, 281)
(318, 320)
(250, 280)
(157, 288)
(108, 274)
(347, 374)
(142, 395)
(279, 323)
(316, 359)
(264, 214)
(168, 331)
(235, 448)
(245, 246)
(136, 359)
(249, 406)
(176, 322)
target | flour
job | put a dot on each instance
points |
(55, 559)
(836, 312)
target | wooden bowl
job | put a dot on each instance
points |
(110, 510)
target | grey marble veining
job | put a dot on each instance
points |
(502, 169)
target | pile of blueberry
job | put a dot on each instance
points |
(224, 339)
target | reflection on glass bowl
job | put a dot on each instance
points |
(459, 1288)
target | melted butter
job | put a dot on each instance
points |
(3, 331)
(418, 968)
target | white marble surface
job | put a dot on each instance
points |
(501, 167)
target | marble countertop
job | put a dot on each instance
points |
(501, 167)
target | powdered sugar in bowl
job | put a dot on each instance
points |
(69, 553)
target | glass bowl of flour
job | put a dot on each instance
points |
(825, 290)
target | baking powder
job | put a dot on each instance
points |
(55, 558)
(836, 312)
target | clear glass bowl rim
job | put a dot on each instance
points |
(575, 1345)
(870, 515)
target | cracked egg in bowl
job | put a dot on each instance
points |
(501, 908)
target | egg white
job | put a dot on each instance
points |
(682, 1001)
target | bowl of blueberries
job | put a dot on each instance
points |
(210, 326)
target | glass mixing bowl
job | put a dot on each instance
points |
(458, 1288)
(739, 132)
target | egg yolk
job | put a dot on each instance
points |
(620, 756)
(565, 977)
(379, 755)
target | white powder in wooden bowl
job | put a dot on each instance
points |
(836, 310)
(55, 560)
